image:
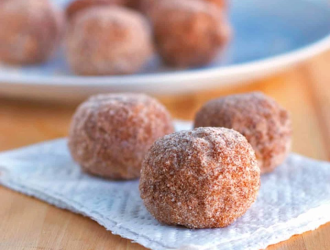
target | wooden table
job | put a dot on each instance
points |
(27, 223)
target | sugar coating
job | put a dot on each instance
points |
(189, 33)
(79, 5)
(204, 178)
(108, 40)
(146, 5)
(222, 4)
(110, 134)
(264, 123)
(30, 31)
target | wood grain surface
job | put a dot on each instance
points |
(27, 223)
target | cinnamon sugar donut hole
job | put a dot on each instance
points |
(79, 5)
(264, 123)
(205, 178)
(110, 134)
(189, 33)
(30, 31)
(108, 40)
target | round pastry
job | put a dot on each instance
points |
(108, 40)
(110, 134)
(264, 123)
(30, 31)
(79, 5)
(204, 178)
(189, 33)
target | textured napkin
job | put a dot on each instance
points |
(293, 199)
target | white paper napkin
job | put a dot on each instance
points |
(293, 199)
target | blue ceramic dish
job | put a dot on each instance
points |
(268, 36)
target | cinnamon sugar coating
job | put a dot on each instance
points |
(222, 4)
(30, 31)
(110, 134)
(189, 33)
(79, 5)
(146, 5)
(204, 178)
(264, 123)
(108, 40)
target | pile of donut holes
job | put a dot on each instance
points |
(113, 37)
(201, 178)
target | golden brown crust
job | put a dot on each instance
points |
(146, 5)
(189, 33)
(30, 31)
(222, 4)
(110, 134)
(108, 41)
(264, 123)
(203, 178)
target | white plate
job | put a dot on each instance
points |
(269, 36)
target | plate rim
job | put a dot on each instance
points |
(265, 64)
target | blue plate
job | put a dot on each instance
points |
(268, 36)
